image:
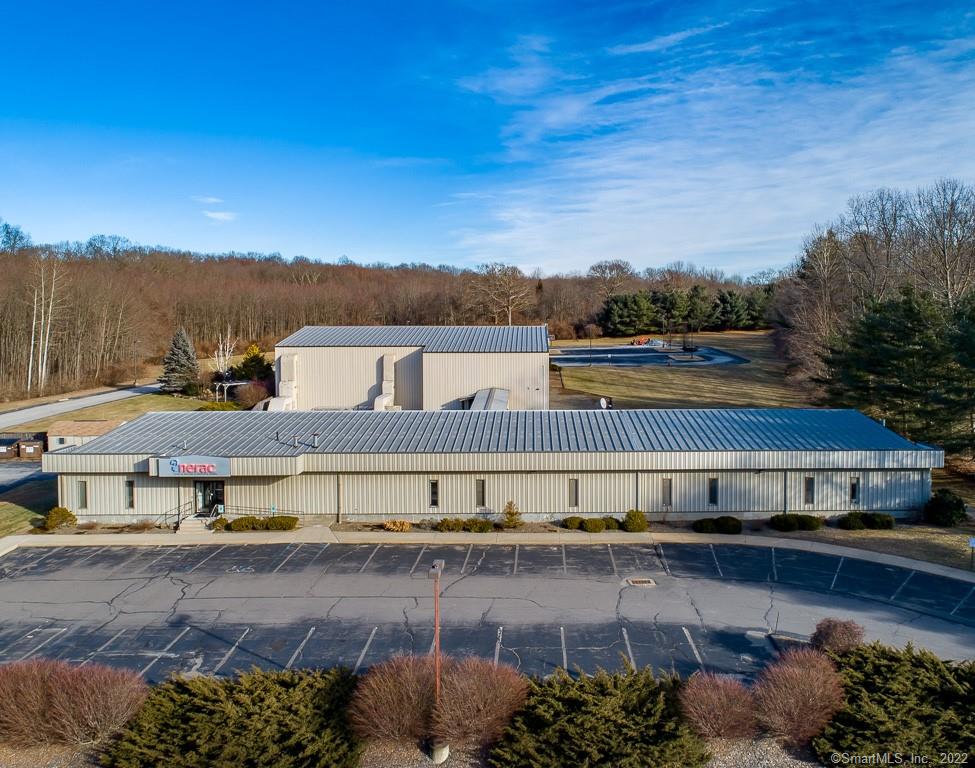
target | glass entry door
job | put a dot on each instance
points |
(209, 497)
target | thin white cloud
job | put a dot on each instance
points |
(206, 200)
(664, 42)
(220, 215)
(729, 165)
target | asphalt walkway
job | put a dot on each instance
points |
(33, 413)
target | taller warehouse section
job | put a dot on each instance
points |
(405, 367)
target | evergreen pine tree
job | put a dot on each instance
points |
(180, 368)
(512, 516)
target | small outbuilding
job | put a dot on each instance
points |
(68, 432)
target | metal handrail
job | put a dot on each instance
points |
(180, 512)
(231, 512)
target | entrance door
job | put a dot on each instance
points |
(209, 496)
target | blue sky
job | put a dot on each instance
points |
(545, 134)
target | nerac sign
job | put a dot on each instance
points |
(193, 466)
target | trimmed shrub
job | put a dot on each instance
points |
(797, 695)
(625, 720)
(450, 525)
(477, 525)
(511, 516)
(727, 524)
(784, 522)
(878, 520)
(290, 719)
(635, 522)
(397, 526)
(945, 508)
(704, 525)
(219, 405)
(246, 523)
(901, 700)
(47, 701)
(280, 523)
(593, 525)
(837, 636)
(612, 524)
(477, 700)
(852, 521)
(572, 522)
(809, 522)
(59, 517)
(394, 700)
(718, 706)
(219, 524)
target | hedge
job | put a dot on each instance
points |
(790, 521)
(252, 523)
(635, 522)
(292, 719)
(572, 522)
(469, 524)
(901, 700)
(945, 508)
(625, 720)
(858, 521)
(724, 524)
(594, 525)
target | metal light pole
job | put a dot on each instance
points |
(439, 752)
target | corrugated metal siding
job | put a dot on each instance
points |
(351, 377)
(459, 338)
(313, 494)
(448, 377)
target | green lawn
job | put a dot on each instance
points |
(759, 383)
(127, 409)
(22, 508)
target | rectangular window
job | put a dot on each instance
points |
(62, 440)
(668, 492)
(130, 494)
(82, 494)
(479, 495)
(713, 491)
(854, 490)
(434, 493)
(573, 492)
(809, 491)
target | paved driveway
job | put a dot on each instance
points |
(223, 608)
(24, 415)
(15, 472)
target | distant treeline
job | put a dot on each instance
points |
(74, 314)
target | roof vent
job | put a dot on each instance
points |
(314, 438)
(277, 435)
(294, 441)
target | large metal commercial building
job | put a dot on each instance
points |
(422, 464)
(412, 368)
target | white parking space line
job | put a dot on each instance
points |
(88, 557)
(290, 555)
(663, 560)
(565, 654)
(103, 646)
(34, 650)
(231, 651)
(301, 645)
(629, 650)
(38, 628)
(775, 568)
(903, 584)
(612, 559)
(212, 554)
(149, 565)
(164, 651)
(716, 563)
(369, 559)
(697, 654)
(32, 563)
(365, 650)
(837, 574)
(417, 561)
(962, 601)
(515, 571)
(497, 646)
(470, 547)
(565, 568)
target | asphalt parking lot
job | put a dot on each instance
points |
(14, 473)
(219, 609)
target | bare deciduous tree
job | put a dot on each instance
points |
(502, 290)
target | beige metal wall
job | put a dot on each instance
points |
(351, 377)
(538, 495)
(447, 377)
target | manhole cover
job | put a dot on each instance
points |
(641, 582)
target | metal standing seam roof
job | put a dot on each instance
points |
(433, 338)
(252, 433)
